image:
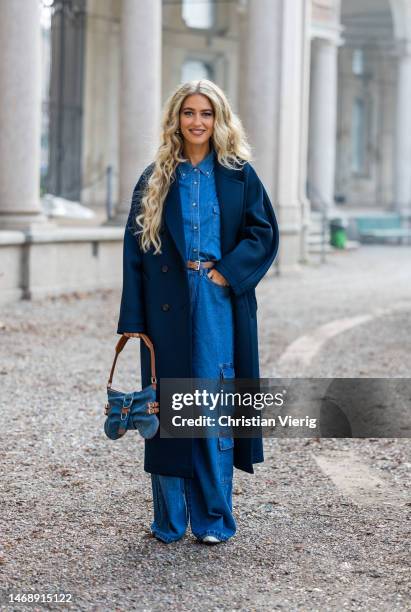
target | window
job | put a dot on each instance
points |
(358, 136)
(198, 13)
(358, 62)
(195, 69)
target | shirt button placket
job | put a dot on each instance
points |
(195, 222)
(197, 233)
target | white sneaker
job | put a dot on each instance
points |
(210, 539)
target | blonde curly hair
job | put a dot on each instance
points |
(228, 140)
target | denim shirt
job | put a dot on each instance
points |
(200, 209)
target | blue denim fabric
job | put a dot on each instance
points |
(137, 418)
(200, 209)
(206, 499)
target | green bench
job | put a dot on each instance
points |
(387, 228)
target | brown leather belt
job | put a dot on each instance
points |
(196, 265)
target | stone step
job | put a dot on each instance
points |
(318, 238)
(316, 249)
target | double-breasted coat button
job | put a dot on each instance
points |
(165, 307)
(164, 268)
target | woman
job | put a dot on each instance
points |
(200, 235)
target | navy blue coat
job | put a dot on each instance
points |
(249, 243)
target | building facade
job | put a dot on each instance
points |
(322, 87)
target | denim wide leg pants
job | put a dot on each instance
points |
(204, 501)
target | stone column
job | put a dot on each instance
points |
(402, 166)
(20, 114)
(100, 106)
(292, 119)
(323, 122)
(140, 94)
(305, 97)
(274, 110)
(259, 94)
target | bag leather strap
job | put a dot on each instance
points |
(119, 347)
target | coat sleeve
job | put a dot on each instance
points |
(246, 264)
(132, 317)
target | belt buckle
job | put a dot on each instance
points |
(197, 265)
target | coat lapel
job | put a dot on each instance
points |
(230, 193)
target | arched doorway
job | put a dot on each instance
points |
(366, 109)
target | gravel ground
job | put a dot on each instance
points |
(76, 507)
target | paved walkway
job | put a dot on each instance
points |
(321, 525)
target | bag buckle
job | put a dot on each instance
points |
(152, 407)
(125, 410)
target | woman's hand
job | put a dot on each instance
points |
(217, 278)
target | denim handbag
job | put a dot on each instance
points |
(134, 410)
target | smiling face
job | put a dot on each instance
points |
(196, 119)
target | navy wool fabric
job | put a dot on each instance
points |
(156, 298)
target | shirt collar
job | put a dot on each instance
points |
(206, 165)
